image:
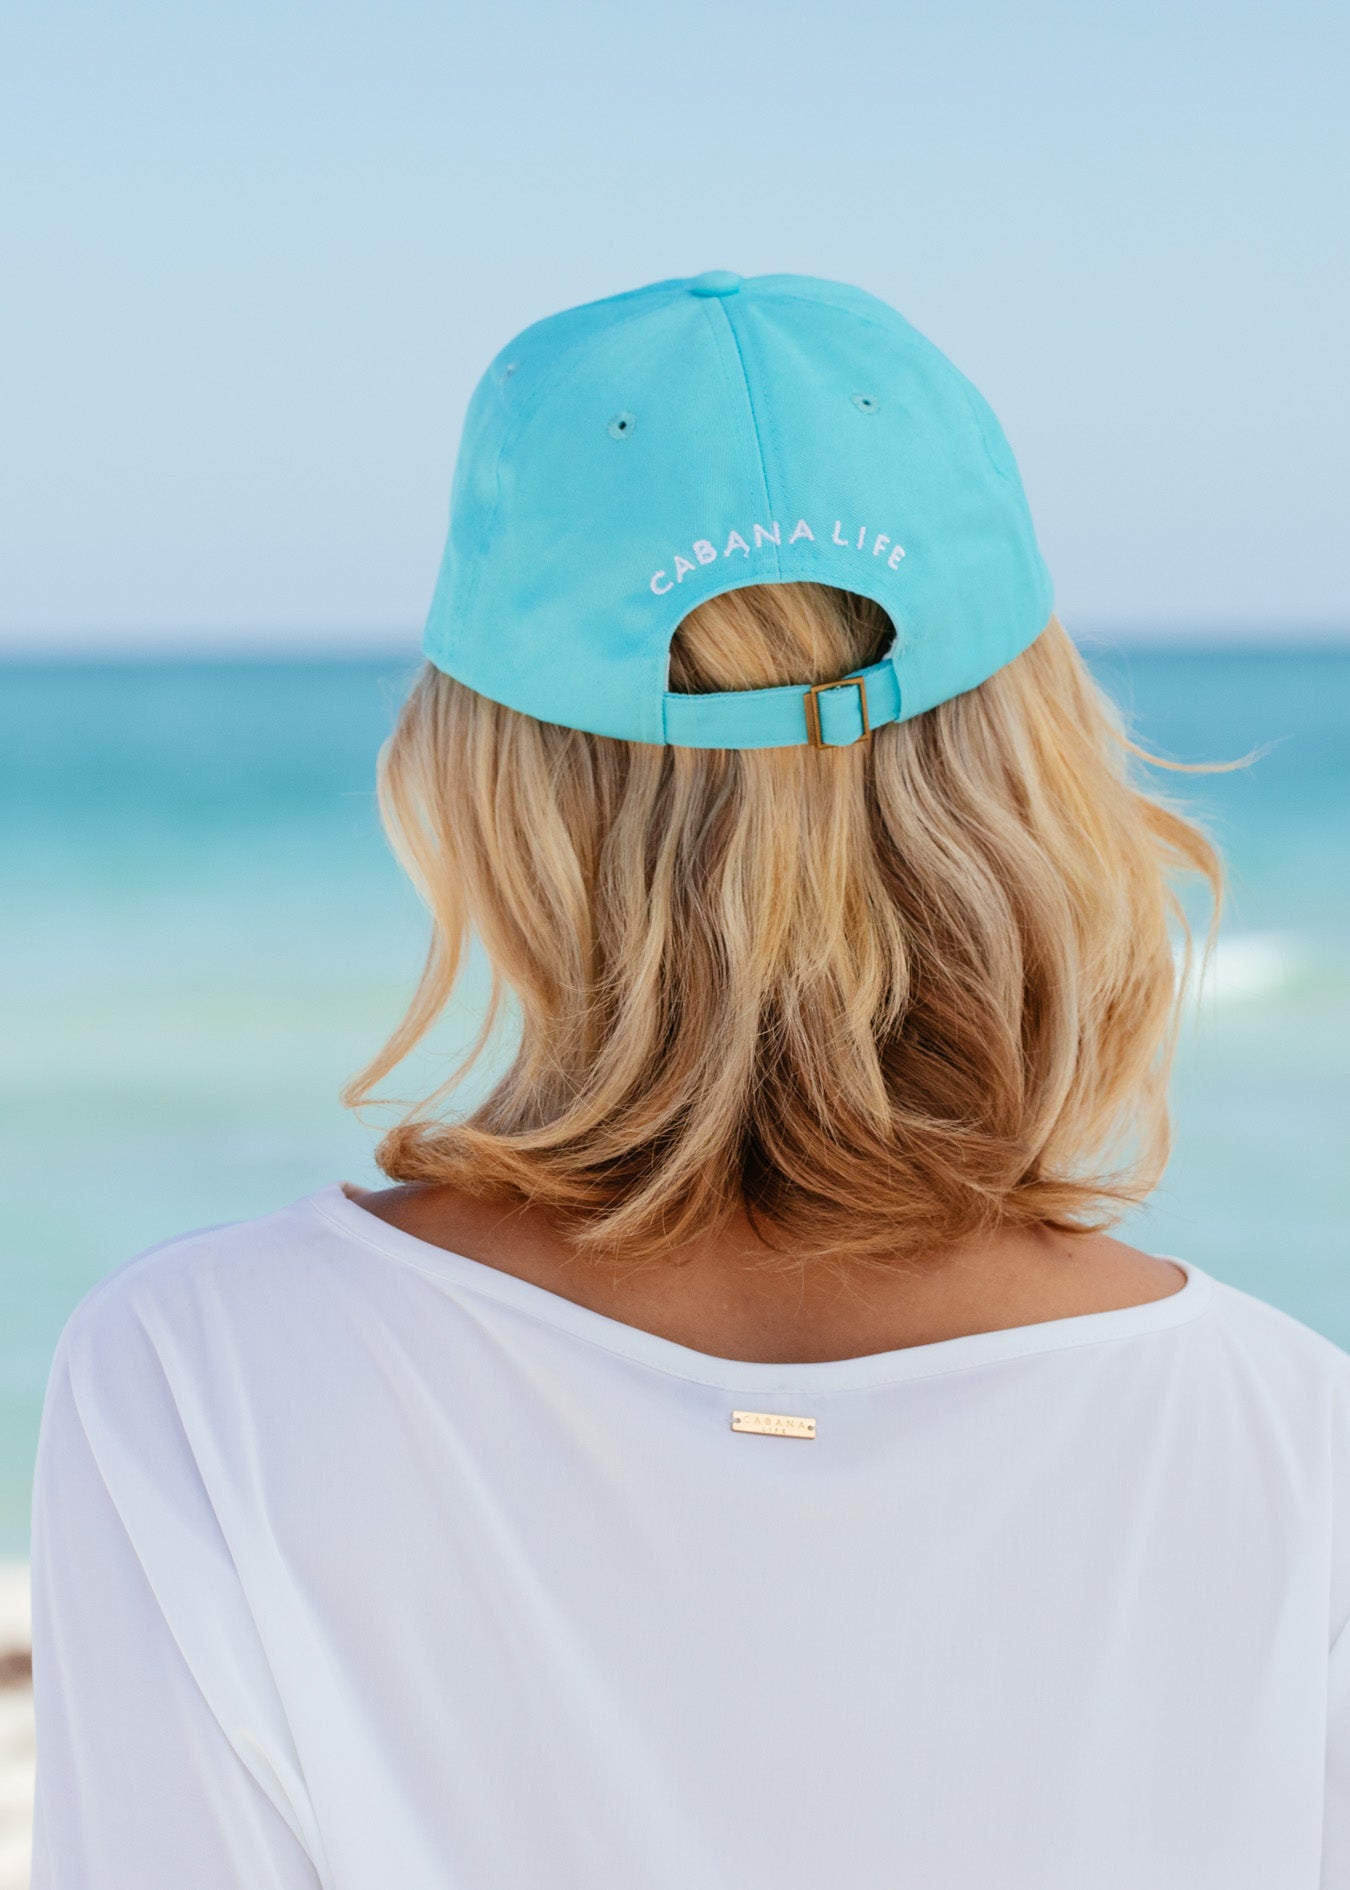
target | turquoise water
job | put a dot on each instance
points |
(203, 935)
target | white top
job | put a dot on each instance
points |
(361, 1564)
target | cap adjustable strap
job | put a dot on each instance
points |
(811, 704)
(818, 715)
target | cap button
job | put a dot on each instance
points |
(716, 282)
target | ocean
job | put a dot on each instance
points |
(204, 934)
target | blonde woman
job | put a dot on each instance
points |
(734, 1455)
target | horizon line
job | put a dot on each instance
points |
(301, 645)
(299, 642)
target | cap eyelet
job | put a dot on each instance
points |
(865, 403)
(509, 369)
(622, 425)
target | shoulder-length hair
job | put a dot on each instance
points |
(883, 996)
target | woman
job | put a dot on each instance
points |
(735, 1453)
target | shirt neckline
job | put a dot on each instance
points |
(927, 1360)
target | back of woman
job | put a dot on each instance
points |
(734, 1452)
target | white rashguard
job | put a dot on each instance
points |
(359, 1564)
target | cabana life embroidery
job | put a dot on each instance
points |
(705, 552)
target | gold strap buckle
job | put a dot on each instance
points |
(811, 704)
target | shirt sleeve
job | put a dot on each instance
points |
(163, 1755)
(1336, 1793)
(1336, 1813)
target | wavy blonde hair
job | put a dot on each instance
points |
(883, 996)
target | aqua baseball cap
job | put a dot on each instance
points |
(622, 461)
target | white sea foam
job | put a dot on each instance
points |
(1248, 966)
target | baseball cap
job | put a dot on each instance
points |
(623, 461)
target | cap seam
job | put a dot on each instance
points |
(560, 377)
(757, 428)
(971, 396)
(711, 306)
(969, 392)
(879, 322)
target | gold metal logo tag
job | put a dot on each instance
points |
(773, 1423)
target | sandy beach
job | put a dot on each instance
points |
(16, 1728)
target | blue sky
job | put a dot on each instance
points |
(257, 256)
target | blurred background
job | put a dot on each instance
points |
(257, 256)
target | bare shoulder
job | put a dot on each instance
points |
(503, 1234)
(1119, 1266)
(441, 1216)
